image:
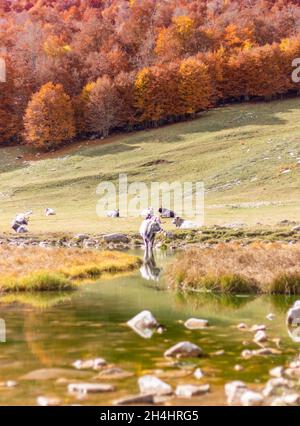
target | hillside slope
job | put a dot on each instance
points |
(247, 155)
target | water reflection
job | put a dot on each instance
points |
(149, 270)
(293, 322)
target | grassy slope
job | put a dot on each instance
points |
(246, 146)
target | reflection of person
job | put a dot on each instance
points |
(150, 271)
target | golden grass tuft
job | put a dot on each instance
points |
(53, 269)
(231, 268)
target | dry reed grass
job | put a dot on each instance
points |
(40, 269)
(231, 268)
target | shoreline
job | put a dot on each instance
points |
(287, 232)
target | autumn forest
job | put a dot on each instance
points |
(85, 68)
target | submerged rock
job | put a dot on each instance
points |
(136, 399)
(184, 350)
(277, 372)
(53, 373)
(250, 398)
(89, 364)
(260, 337)
(188, 391)
(44, 401)
(114, 373)
(273, 385)
(196, 323)
(256, 328)
(90, 388)
(270, 317)
(153, 385)
(291, 400)
(234, 391)
(198, 374)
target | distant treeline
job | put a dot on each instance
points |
(82, 68)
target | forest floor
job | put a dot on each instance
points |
(248, 157)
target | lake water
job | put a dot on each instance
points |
(51, 331)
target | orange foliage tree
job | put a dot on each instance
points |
(49, 117)
(194, 86)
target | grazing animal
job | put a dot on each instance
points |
(147, 213)
(113, 213)
(50, 212)
(20, 222)
(148, 230)
(293, 315)
(166, 213)
(185, 224)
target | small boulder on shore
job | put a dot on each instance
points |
(116, 238)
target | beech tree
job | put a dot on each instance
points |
(49, 117)
(103, 106)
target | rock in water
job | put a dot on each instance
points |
(143, 324)
(234, 391)
(195, 323)
(198, 373)
(291, 400)
(135, 399)
(256, 328)
(95, 364)
(260, 337)
(44, 401)
(184, 350)
(277, 372)
(251, 399)
(153, 385)
(188, 391)
(90, 388)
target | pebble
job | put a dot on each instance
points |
(196, 323)
(86, 388)
(242, 326)
(277, 372)
(260, 337)
(251, 399)
(198, 374)
(154, 385)
(44, 401)
(270, 317)
(234, 391)
(287, 400)
(90, 364)
(184, 350)
(188, 391)
(256, 328)
(135, 399)
(114, 373)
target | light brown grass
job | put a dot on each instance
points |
(44, 269)
(232, 268)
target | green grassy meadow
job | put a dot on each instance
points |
(247, 156)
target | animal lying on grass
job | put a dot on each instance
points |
(272, 268)
(39, 269)
(185, 224)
